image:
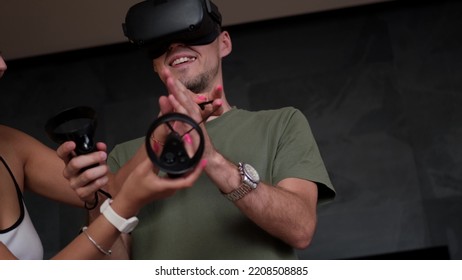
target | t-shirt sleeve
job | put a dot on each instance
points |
(122, 153)
(298, 156)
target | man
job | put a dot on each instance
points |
(258, 197)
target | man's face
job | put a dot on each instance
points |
(197, 67)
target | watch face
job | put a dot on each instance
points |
(251, 173)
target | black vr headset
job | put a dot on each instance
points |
(156, 24)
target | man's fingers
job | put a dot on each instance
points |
(164, 105)
(217, 92)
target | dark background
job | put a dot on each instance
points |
(380, 86)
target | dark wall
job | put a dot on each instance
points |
(379, 84)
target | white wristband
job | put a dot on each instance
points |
(122, 224)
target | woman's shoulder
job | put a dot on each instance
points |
(12, 139)
(8, 133)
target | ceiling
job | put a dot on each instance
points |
(33, 28)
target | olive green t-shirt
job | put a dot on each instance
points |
(199, 222)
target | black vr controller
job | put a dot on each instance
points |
(156, 24)
(174, 158)
(76, 124)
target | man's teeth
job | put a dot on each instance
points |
(182, 60)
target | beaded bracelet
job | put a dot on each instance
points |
(106, 252)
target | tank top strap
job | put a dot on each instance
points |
(19, 195)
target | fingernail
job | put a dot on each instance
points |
(187, 138)
(203, 163)
(220, 87)
(202, 97)
(219, 102)
(155, 146)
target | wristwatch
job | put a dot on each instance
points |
(249, 182)
(122, 224)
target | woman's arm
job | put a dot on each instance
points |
(140, 187)
(37, 167)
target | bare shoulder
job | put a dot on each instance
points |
(13, 135)
(8, 135)
(6, 130)
(14, 138)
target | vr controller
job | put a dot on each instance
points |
(78, 124)
(174, 158)
(156, 24)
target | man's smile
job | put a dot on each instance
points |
(182, 60)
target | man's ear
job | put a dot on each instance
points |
(226, 46)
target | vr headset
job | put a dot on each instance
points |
(156, 24)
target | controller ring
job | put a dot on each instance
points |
(173, 160)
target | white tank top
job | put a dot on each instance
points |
(22, 238)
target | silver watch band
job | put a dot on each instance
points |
(238, 193)
(249, 182)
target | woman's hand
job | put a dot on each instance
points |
(143, 185)
(85, 182)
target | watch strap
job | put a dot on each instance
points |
(119, 222)
(247, 185)
(238, 193)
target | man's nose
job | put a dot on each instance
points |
(175, 45)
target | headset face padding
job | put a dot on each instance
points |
(156, 24)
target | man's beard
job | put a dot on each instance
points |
(201, 82)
